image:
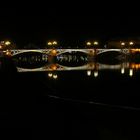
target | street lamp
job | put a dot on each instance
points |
(54, 42)
(95, 42)
(122, 43)
(7, 43)
(88, 43)
(131, 43)
(49, 43)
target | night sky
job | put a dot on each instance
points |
(36, 24)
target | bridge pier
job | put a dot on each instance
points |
(51, 59)
(91, 58)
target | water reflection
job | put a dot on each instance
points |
(81, 73)
(89, 73)
(53, 75)
(72, 62)
(131, 72)
(95, 73)
(122, 70)
(88, 66)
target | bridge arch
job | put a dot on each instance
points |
(16, 52)
(86, 51)
(101, 51)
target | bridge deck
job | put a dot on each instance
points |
(61, 51)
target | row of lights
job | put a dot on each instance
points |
(130, 72)
(51, 43)
(92, 43)
(51, 75)
(89, 43)
(4, 44)
(89, 73)
(124, 43)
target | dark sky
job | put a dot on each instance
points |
(70, 22)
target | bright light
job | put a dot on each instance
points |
(7, 43)
(88, 43)
(8, 53)
(122, 70)
(54, 67)
(49, 43)
(95, 43)
(131, 72)
(54, 43)
(135, 66)
(50, 74)
(95, 73)
(54, 52)
(122, 43)
(89, 73)
(131, 43)
(55, 76)
(0, 47)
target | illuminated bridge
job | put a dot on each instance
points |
(55, 52)
(89, 66)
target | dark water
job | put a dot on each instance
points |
(89, 103)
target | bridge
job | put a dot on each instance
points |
(89, 66)
(56, 52)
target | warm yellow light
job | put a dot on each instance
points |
(95, 43)
(7, 43)
(135, 66)
(49, 43)
(54, 52)
(54, 43)
(122, 43)
(55, 76)
(50, 74)
(122, 70)
(96, 74)
(89, 73)
(131, 43)
(88, 43)
(8, 53)
(131, 72)
(0, 47)
(54, 67)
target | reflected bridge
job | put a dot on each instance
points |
(89, 66)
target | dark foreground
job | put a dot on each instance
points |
(27, 109)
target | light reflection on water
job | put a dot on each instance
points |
(92, 68)
(67, 77)
(75, 62)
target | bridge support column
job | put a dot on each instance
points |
(92, 55)
(51, 59)
(90, 58)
